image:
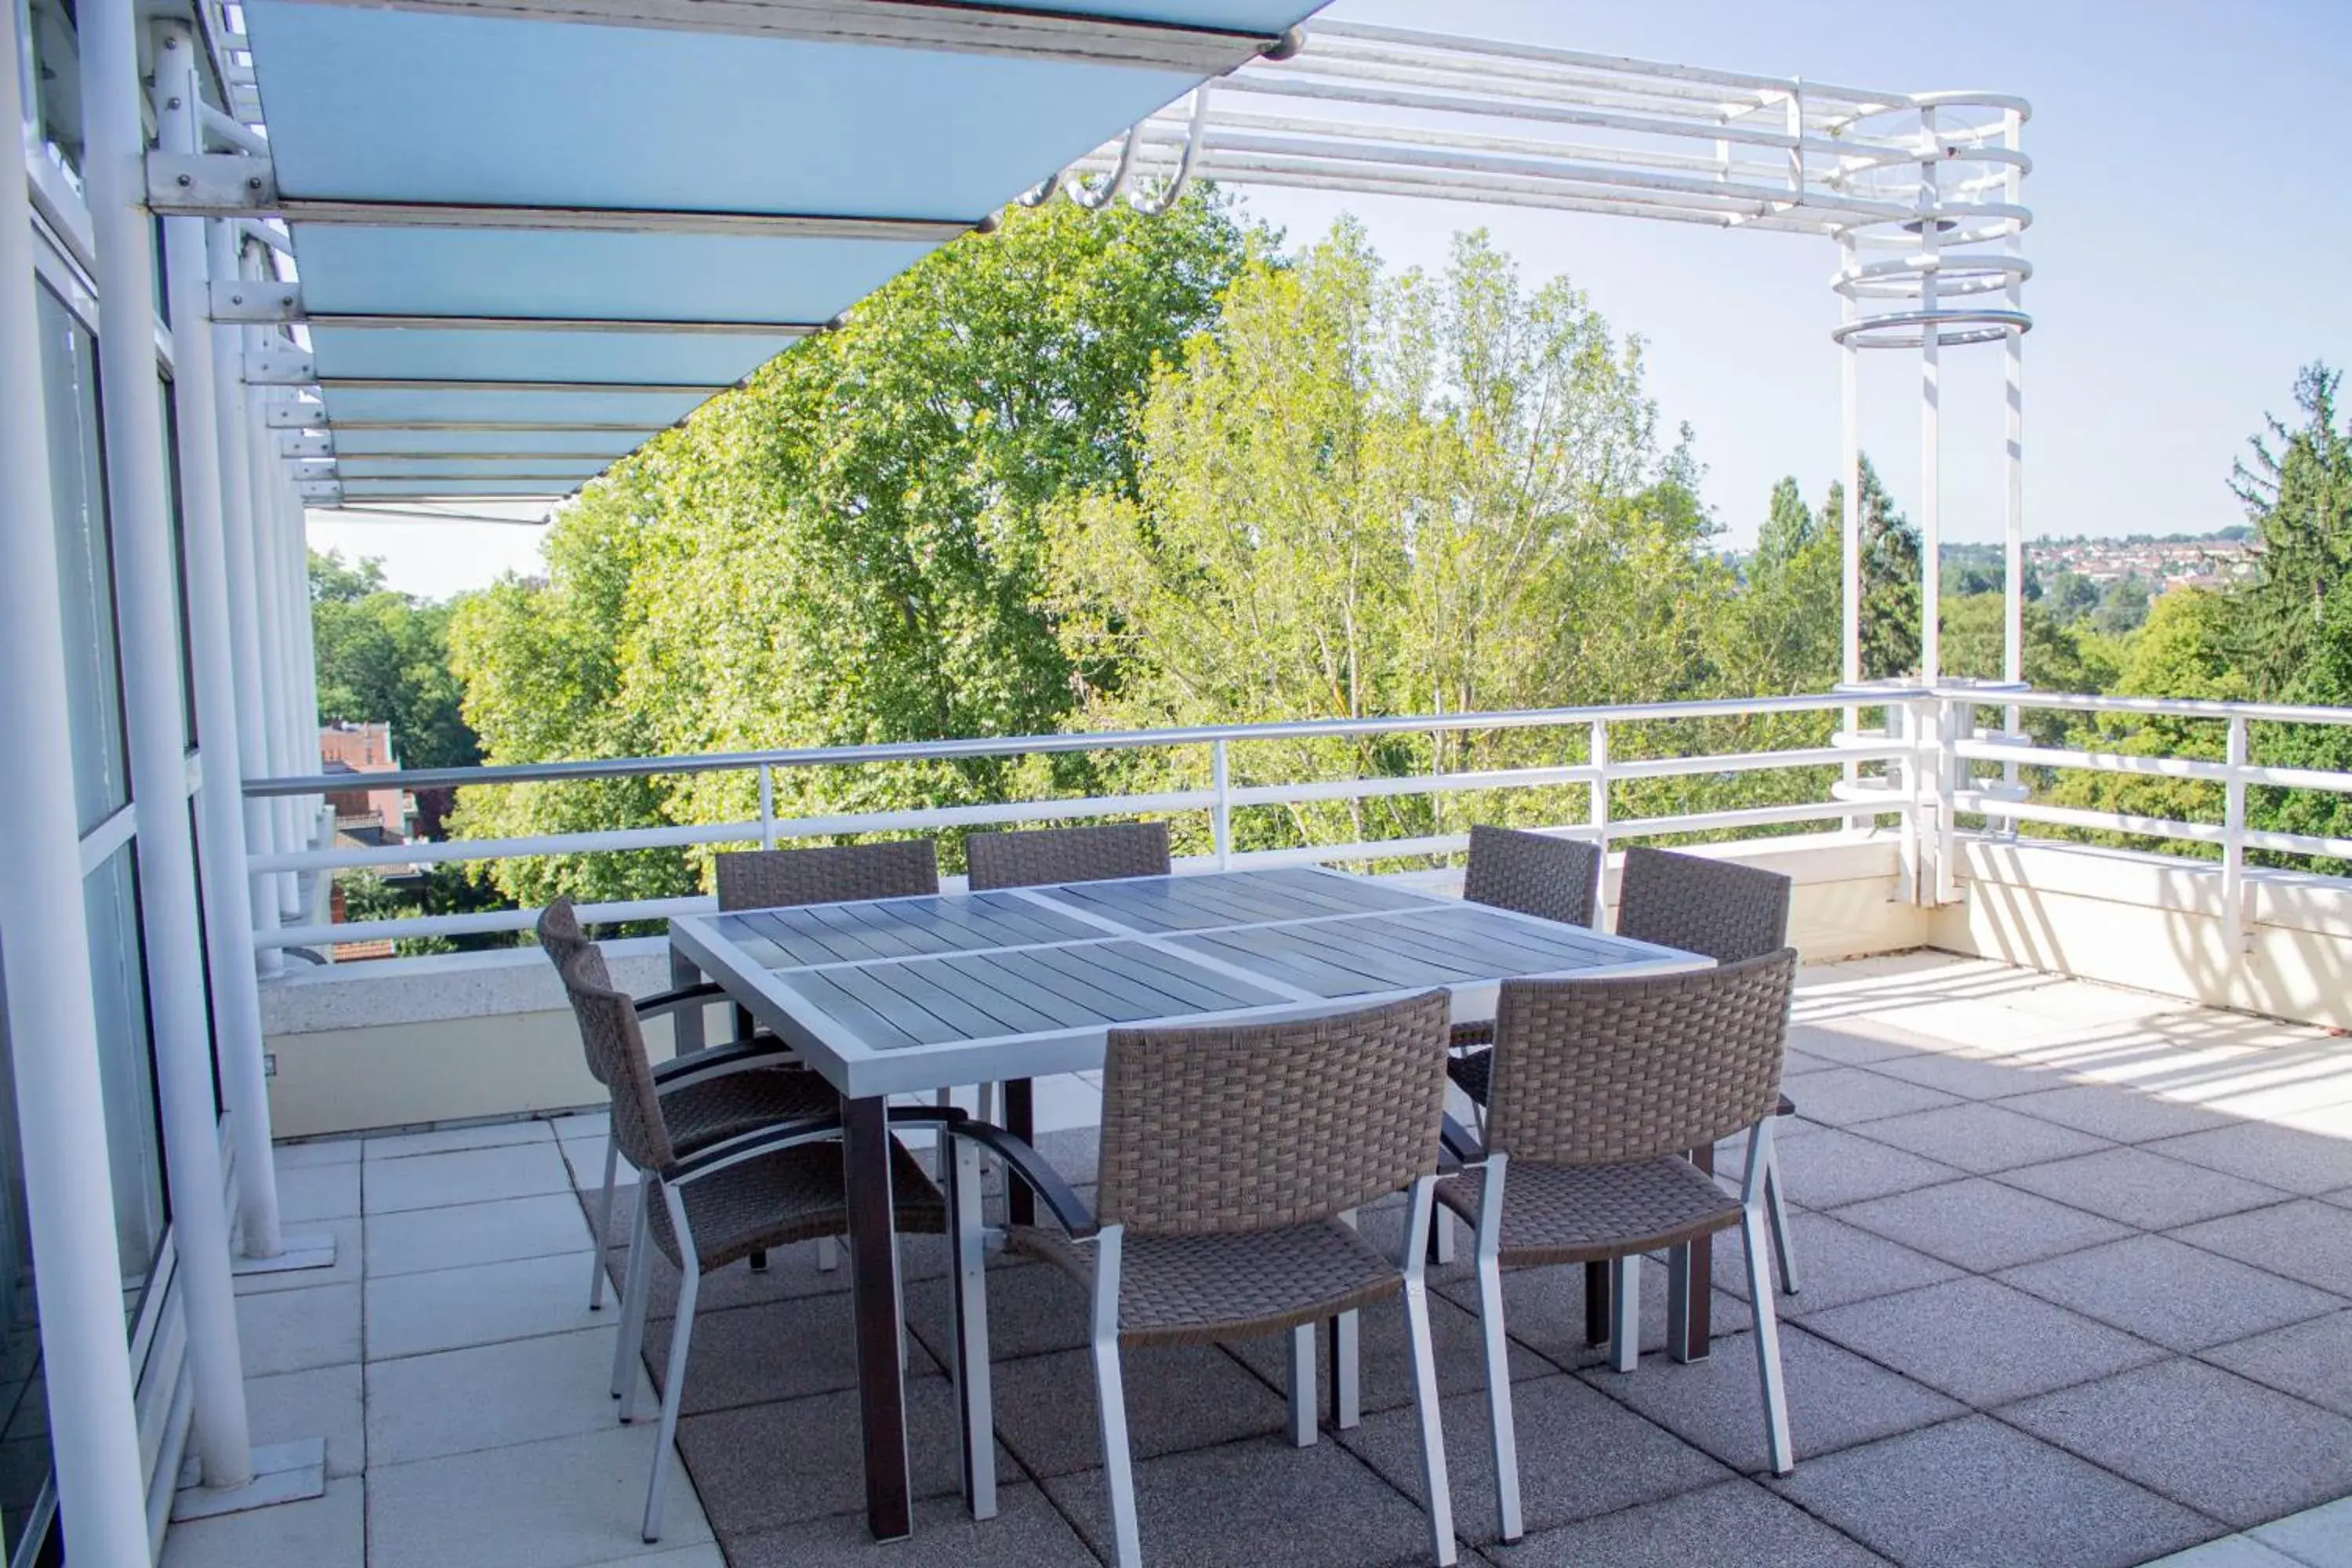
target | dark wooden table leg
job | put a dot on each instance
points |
(1596, 1304)
(874, 1304)
(1020, 1120)
(1690, 1335)
(686, 1023)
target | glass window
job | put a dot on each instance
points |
(126, 1067)
(53, 98)
(24, 1410)
(179, 562)
(85, 569)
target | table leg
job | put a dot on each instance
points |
(1689, 1332)
(1596, 1303)
(686, 1023)
(874, 1304)
(1020, 1120)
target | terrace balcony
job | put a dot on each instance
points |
(2073, 1182)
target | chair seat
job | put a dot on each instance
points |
(1582, 1213)
(1197, 1289)
(715, 1109)
(791, 1195)
(1473, 1072)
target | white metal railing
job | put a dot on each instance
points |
(1929, 753)
(1218, 801)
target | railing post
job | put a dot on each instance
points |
(767, 806)
(1220, 815)
(2236, 938)
(1956, 717)
(1910, 716)
(1597, 811)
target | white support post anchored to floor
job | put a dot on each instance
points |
(52, 1017)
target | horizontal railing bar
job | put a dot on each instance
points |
(1418, 784)
(1984, 804)
(1749, 816)
(978, 747)
(2298, 844)
(2155, 707)
(1753, 761)
(2095, 762)
(2297, 778)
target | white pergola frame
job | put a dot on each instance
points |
(1919, 192)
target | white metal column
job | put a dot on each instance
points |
(1931, 445)
(52, 1020)
(228, 902)
(147, 595)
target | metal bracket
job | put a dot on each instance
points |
(265, 367)
(312, 468)
(327, 491)
(210, 185)
(306, 445)
(294, 416)
(257, 302)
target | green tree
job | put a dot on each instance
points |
(383, 657)
(845, 550)
(1889, 548)
(2295, 620)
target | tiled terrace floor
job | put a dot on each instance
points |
(2077, 1289)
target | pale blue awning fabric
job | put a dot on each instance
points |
(533, 233)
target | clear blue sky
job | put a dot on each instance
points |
(2192, 240)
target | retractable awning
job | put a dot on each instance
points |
(531, 234)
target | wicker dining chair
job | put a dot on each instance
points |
(1038, 855)
(707, 1096)
(1728, 913)
(1232, 1161)
(778, 878)
(762, 1189)
(1528, 874)
(1600, 1088)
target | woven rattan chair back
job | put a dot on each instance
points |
(1041, 854)
(1604, 1072)
(1533, 874)
(1723, 911)
(1223, 1130)
(773, 879)
(609, 1032)
(560, 938)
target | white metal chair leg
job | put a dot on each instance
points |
(828, 1254)
(636, 1287)
(1502, 1423)
(1110, 1404)
(681, 1336)
(1777, 1211)
(1346, 1372)
(976, 1397)
(1779, 1453)
(1423, 1357)
(1302, 1387)
(603, 1236)
(1625, 1316)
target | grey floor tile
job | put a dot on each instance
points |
(1977, 1494)
(490, 1396)
(763, 1466)
(2311, 1360)
(415, 1240)
(1738, 1520)
(1257, 1502)
(1845, 1096)
(293, 1331)
(340, 1150)
(346, 1269)
(1177, 1398)
(753, 1355)
(326, 1531)
(1033, 1309)
(1028, 1532)
(1385, 1361)
(1982, 1138)
(413, 1314)
(2181, 1297)
(466, 1176)
(1836, 1399)
(322, 1402)
(565, 1503)
(448, 1140)
(2321, 1537)
(308, 1192)
(1834, 1167)
(1971, 1077)
(1979, 1224)
(2305, 1240)
(1543, 1309)
(791, 1274)
(2228, 1551)
(2287, 1157)
(2117, 1112)
(2143, 1189)
(1836, 1263)
(1981, 1342)
(2203, 1437)
(1847, 1045)
(1580, 1455)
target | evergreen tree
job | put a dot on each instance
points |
(1889, 548)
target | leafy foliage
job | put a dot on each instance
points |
(383, 656)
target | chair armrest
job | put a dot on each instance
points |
(1457, 1146)
(662, 1002)
(717, 1060)
(1069, 1210)
(747, 1145)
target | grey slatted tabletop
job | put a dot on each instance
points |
(901, 996)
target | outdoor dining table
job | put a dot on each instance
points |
(910, 996)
